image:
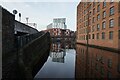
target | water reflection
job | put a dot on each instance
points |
(57, 53)
(96, 63)
(60, 63)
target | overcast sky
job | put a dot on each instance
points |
(42, 12)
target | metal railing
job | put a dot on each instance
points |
(25, 39)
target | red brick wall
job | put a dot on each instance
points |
(100, 42)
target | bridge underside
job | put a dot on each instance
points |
(20, 33)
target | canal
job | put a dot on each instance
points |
(78, 61)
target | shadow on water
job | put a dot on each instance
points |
(96, 63)
(66, 61)
(60, 63)
(40, 63)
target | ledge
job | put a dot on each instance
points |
(101, 47)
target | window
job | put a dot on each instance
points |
(111, 10)
(85, 11)
(111, 35)
(96, 67)
(89, 36)
(93, 3)
(102, 60)
(98, 8)
(102, 70)
(104, 14)
(84, 18)
(104, 3)
(109, 74)
(93, 11)
(103, 25)
(93, 19)
(98, 16)
(111, 23)
(103, 35)
(98, 27)
(90, 22)
(86, 37)
(93, 29)
(92, 36)
(90, 7)
(111, 1)
(109, 63)
(97, 35)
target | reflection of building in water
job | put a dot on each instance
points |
(101, 63)
(56, 47)
(57, 53)
(57, 56)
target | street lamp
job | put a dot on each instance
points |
(19, 16)
(27, 19)
(87, 55)
(14, 12)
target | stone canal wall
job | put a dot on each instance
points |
(7, 31)
(31, 54)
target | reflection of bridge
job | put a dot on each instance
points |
(23, 48)
(63, 38)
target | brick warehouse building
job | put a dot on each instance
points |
(100, 21)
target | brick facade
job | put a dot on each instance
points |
(94, 14)
(60, 32)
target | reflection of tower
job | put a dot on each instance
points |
(27, 19)
(57, 53)
(19, 16)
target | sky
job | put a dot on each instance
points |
(42, 12)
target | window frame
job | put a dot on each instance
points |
(112, 11)
(103, 35)
(111, 23)
(104, 3)
(98, 17)
(104, 14)
(103, 25)
(98, 8)
(97, 35)
(98, 27)
(111, 35)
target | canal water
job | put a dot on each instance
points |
(78, 61)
